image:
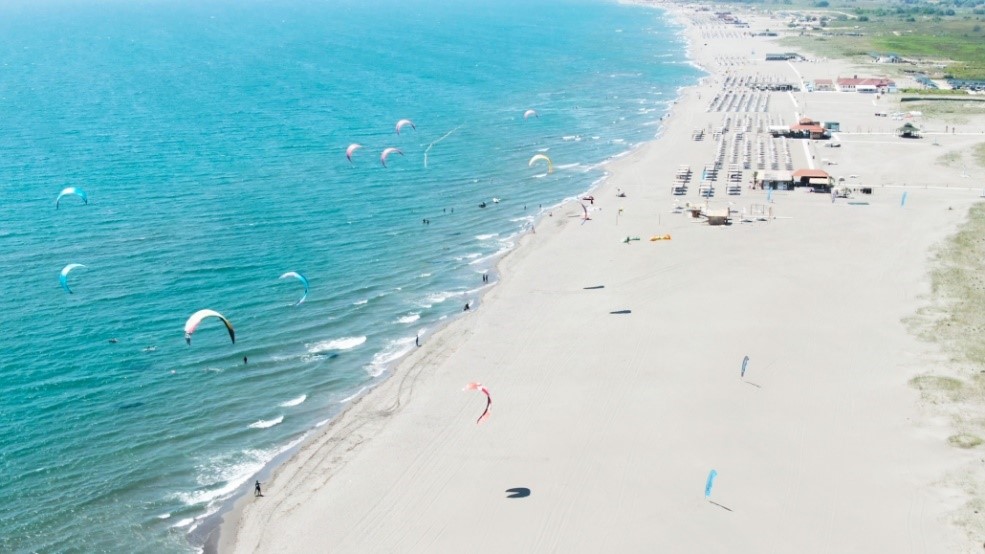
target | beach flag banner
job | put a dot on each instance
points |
(710, 482)
(745, 365)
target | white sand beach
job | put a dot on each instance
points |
(612, 404)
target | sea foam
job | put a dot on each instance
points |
(266, 423)
(294, 401)
(344, 343)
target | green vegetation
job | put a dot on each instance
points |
(959, 285)
(947, 37)
(950, 112)
(934, 383)
(955, 320)
(935, 92)
(950, 158)
(945, 41)
(978, 154)
(964, 441)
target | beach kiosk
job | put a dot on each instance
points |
(818, 179)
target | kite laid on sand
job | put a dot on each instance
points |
(303, 280)
(710, 482)
(197, 318)
(485, 391)
(70, 191)
(63, 278)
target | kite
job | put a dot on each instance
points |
(403, 123)
(745, 364)
(352, 150)
(64, 276)
(585, 209)
(387, 152)
(710, 482)
(303, 280)
(484, 390)
(72, 190)
(197, 318)
(530, 113)
(538, 157)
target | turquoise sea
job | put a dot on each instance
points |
(210, 137)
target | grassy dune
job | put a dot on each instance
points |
(956, 320)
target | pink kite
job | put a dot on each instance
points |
(479, 387)
(351, 150)
(387, 152)
(403, 123)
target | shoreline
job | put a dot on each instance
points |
(366, 416)
(213, 529)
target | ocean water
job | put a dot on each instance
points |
(210, 137)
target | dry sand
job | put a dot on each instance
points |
(613, 420)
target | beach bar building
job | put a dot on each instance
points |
(806, 128)
(824, 85)
(818, 179)
(811, 131)
(776, 180)
(867, 84)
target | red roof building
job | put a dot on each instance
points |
(812, 178)
(810, 174)
(824, 85)
(812, 129)
(868, 84)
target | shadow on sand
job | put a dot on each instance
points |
(518, 492)
(720, 506)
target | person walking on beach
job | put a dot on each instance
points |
(256, 489)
